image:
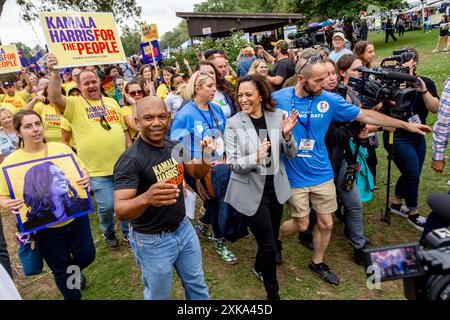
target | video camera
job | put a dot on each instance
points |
(308, 38)
(425, 274)
(383, 84)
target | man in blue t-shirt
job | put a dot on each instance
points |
(310, 173)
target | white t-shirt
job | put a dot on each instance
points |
(220, 100)
(336, 55)
(173, 103)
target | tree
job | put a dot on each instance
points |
(131, 40)
(329, 9)
(122, 10)
(261, 6)
(176, 37)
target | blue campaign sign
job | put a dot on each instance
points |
(146, 51)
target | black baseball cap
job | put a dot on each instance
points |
(8, 84)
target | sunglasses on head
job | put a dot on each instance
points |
(313, 59)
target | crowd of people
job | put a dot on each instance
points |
(278, 130)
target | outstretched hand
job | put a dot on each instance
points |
(288, 123)
(419, 128)
(52, 61)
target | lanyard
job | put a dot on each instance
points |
(103, 106)
(211, 127)
(308, 118)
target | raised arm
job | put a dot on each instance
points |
(54, 87)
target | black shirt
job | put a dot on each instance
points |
(143, 165)
(283, 68)
(260, 124)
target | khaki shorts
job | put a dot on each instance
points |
(322, 197)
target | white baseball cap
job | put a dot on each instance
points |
(339, 34)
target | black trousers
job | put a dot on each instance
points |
(265, 226)
(390, 32)
(4, 256)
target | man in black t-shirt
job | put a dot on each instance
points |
(148, 182)
(283, 67)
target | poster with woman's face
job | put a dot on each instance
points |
(50, 192)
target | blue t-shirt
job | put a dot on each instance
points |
(316, 168)
(191, 125)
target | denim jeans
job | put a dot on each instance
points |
(409, 155)
(103, 188)
(352, 202)
(70, 245)
(4, 256)
(157, 254)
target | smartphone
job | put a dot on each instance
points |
(394, 262)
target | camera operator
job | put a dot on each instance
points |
(410, 148)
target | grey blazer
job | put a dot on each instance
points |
(246, 186)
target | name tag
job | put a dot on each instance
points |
(305, 148)
(414, 119)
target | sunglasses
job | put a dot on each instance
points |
(136, 93)
(313, 59)
(104, 123)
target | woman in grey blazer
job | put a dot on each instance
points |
(255, 139)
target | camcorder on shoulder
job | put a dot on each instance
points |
(387, 84)
(425, 274)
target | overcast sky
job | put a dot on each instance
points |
(161, 12)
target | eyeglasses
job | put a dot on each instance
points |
(313, 59)
(136, 93)
(104, 123)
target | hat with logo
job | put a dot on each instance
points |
(339, 34)
(8, 84)
(281, 44)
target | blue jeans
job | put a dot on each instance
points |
(103, 188)
(157, 254)
(352, 202)
(70, 245)
(4, 256)
(409, 155)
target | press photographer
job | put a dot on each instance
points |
(409, 148)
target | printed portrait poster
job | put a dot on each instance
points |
(9, 59)
(82, 38)
(48, 187)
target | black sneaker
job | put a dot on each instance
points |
(258, 274)
(278, 255)
(111, 240)
(306, 240)
(417, 221)
(400, 210)
(323, 271)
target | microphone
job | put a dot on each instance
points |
(439, 202)
(399, 76)
(406, 56)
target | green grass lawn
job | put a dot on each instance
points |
(114, 274)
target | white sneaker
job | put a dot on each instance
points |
(402, 211)
(435, 50)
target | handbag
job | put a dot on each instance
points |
(29, 255)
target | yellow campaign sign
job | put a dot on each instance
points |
(9, 59)
(149, 32)
(82, 38)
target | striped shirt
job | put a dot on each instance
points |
(441, 129)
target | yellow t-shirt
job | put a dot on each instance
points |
(162, 91)
(51, 119)
(128, 111)
(18, 156)
(70, 84)
(65, 125)
(19, 100)
(98, 147)
(9, 107)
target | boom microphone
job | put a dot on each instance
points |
(399, 76)
(439, 202)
